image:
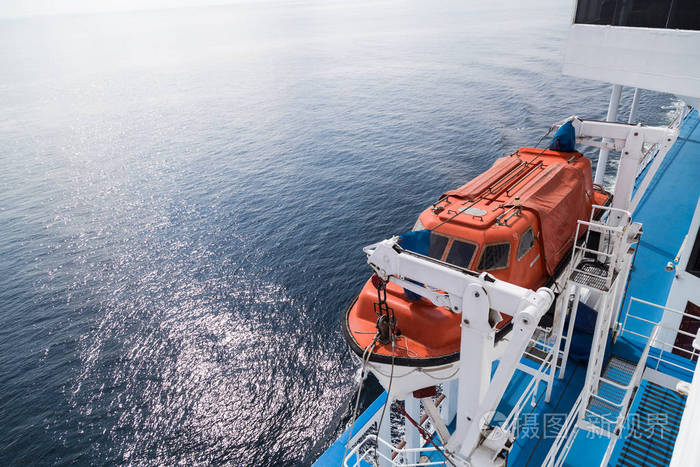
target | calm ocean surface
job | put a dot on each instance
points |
(184, 195)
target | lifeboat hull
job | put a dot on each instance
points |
(425, 353)
(517, 221)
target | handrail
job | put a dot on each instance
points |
(663, 346)
(554, 457)
(653, 162)
(634, 382)
(598, 225)
(552, 460)
(511, 419)
(680, 331)
(608, 254)
(610, 208)
(637, 375)
(394, 460)
(661, 307)
(363, 429)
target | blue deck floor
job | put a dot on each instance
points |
(539, 425)
(665, 211)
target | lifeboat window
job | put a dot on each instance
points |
(460, 253)
(527, 241)
(437, 246)
(494, 257)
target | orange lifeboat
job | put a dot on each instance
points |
(517, 221)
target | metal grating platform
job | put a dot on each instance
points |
(653, 428)
(591, 273)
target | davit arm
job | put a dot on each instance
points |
(477, 297)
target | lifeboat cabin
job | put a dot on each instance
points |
(516, 221)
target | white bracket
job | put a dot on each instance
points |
(630, 141)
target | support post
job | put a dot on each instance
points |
(611, 117)
(635, 107)
(561, 306)
(479, 394)
(475, 371)
(575, 292)
(451, 390)
(384, 457)
(436, 419)
(597, 353)
(627, 173)
(412, 435)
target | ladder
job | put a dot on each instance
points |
(599, 268)
(605, 406)
(601, 264)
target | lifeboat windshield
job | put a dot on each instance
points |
(460, 253)
(456, 251)
(438, 243)
(494, 256)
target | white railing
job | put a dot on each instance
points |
(367, 446)
(362, 430)
(608, 276)
(510, 423)
(634, 380)
(655, 336)
(653, 159)
(608, 248)
(629, 391)
(562, 444)
(370, 454)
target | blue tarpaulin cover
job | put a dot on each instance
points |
(417, 241)
(584, 327)
(564, 139)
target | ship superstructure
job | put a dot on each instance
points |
(585, 357)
